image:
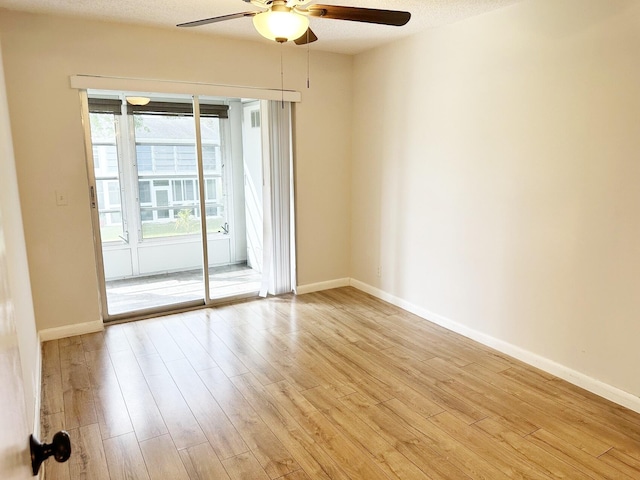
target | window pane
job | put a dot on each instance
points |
(177, 190)
(96, 157)
(189, 190)
(146, 214)
(116, 217)
(213, 174)
(112, 159)
(186, 158)
(144, 192)
(164, 158)
(210, 193)
(143, 157)
(255, 118)
(214, 189)
(162, 200)
(114, 194)
(100, 190)
(167, 160)
(105, 154)
(102, 127)
(211, 159)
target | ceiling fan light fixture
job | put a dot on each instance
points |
(138, 100)
(281, 26)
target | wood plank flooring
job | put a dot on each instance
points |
(329, 385)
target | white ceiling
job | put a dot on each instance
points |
(334, 35)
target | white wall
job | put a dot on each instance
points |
(496, 180)
(42, 51)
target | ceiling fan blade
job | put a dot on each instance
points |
(206, 21)
(356, 14)
(307, 37)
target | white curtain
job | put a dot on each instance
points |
(278, 266)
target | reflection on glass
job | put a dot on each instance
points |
(167, 175)
(168, 187)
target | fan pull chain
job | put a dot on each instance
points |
(308, 60)
(281, 77)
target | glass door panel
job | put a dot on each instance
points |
(148, 187)
(168, 242)
(224, 173)
(148, 209)
(108, 194)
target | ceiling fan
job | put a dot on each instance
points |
(285, 20)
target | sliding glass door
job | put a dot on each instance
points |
(177, 200)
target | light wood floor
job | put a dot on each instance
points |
(331, 385)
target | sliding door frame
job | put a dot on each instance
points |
(83, 83)
(203, 207)
(95, 218)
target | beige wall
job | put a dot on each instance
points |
(41, 52)
(496, 179)
(493, 174)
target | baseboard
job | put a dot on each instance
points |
(70, 330)
(572, 376)
(316, 287)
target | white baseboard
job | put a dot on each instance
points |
(316, 287)
(70, 330)
(572, 376)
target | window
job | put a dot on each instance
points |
(144, 191)
(167, 166)
(177, 191)
(113, 199)
(184, 191)
(190, 190)
(162, 200)
(144, 161)
(210, 157)
(144, 197)
(107, 175)
(163, 159)
(255, 118)
(185, 158)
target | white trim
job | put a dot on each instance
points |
(84, 82)
(37, 427)
(316, 287)
(70, 330)
(572, 376)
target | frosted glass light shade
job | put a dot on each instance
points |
(281, 26)
(138, 100)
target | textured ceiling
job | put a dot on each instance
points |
(334, 35)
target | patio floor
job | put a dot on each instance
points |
(140, 293)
